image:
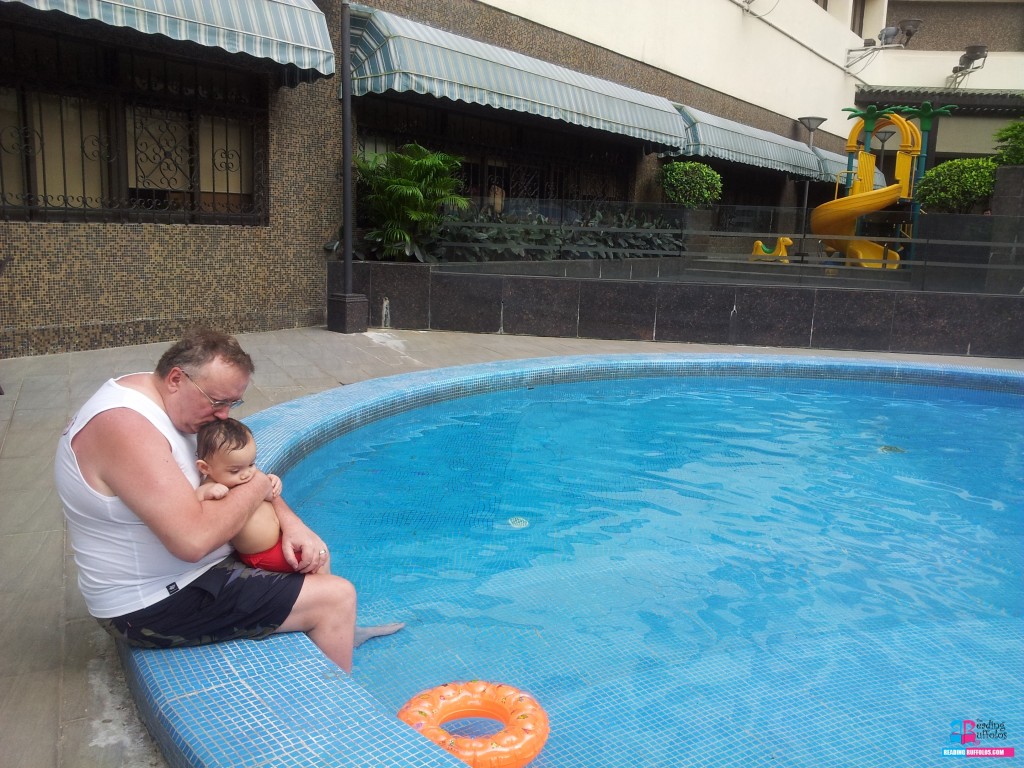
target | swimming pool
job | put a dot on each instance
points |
(765, 631)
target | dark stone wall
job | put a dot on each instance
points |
(420, 297)
(1007, 227)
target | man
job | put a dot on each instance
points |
(154, 564)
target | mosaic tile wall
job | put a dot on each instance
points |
(953, 26)
(69, 286)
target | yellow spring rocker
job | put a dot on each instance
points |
(762, 252)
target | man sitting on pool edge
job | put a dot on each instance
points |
(155, 567)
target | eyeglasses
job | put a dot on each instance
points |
(215, 404)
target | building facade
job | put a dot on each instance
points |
(149, 184)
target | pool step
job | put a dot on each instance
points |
(276, 702)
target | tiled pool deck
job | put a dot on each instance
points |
(63, 699)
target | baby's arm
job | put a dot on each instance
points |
(275, 487)
(211, 491)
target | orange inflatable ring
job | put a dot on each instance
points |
(526, 724)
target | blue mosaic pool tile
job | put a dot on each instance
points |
(291, 430)
(276, 702)
(279, 702)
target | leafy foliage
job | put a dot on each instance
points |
(870, 115)
(1010, 144)
(406, 195)
(956, 186)
(535, 237)
(691, 184)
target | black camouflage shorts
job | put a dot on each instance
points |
(228, 602)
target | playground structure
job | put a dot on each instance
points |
(840, 216)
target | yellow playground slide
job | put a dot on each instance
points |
(839, 217)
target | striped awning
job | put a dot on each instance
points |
(718, 137)
(834, 165)
(290, 32)
(392, 53)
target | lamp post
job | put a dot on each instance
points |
(883, 135)
(811, 124)
(346, 144)
(347, 312)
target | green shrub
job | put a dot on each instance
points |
(690, 184)
(1010, 144)
(533, 237)
(405, 196)
(956, 186)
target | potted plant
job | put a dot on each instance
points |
(694, 186)
(405, 195)
(691, 184)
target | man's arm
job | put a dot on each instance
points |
(301, 546)
(122, 454)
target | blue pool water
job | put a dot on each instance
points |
(695, 571)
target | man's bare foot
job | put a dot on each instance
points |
(380, 630)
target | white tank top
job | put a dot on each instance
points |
(122, 565)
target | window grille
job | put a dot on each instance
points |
(89, 132)
(524, 160)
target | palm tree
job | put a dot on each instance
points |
(926, 116)
(406, 196)
(871, 115)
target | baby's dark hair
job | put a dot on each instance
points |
(227, 433)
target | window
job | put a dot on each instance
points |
(857, 18)
(526, 158)
(93, 133)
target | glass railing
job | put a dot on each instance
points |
(738, 244)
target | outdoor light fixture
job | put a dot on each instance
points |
(883, 135)
(905, 29)
(811, 124)
(972, 54)
(968, 63)
(893, 36)
(909, 28)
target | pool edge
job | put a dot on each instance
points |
(181, 692)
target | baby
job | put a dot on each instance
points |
(226, 452)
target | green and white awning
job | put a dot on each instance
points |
(392, 53)
(290, 32)
(834, 166)
(718, 137)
